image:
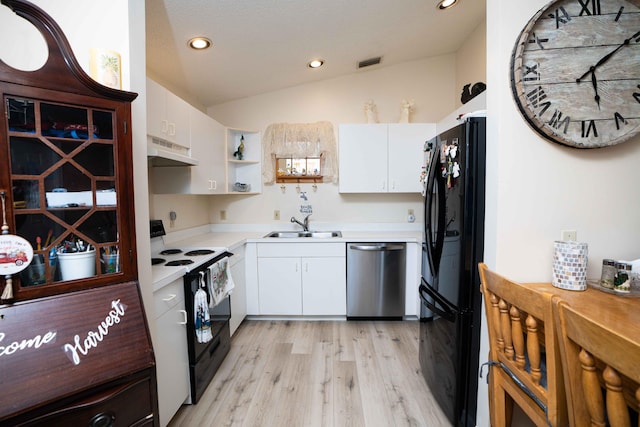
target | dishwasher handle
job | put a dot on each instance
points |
(377, 247)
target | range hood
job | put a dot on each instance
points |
(163, 153)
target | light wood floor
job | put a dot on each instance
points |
(318, 373)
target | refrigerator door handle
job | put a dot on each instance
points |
(446, 310)
(434, 249)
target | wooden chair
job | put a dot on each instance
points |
(601, 370)
(524, 357)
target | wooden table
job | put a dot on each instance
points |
(619, 314)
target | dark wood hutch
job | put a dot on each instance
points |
(75, 347)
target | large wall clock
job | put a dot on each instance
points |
(575, 72)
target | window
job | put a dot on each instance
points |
(299, 152)
(294, 169)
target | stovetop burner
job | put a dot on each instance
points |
(170, 251)
(199, 252)
(179, 262)
(156, 261)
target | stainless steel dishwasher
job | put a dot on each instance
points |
(376, 275)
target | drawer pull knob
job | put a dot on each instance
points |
(104, 419)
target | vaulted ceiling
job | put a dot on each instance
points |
(264, 45)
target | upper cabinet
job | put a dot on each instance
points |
(382, 158)
(167, 115)
(207, 145)
(207, 140)
(228, 160)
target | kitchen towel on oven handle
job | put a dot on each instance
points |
(201, 313)
(220, 281)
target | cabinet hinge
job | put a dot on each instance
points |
(125, 127)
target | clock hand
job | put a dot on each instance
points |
(607, 56)
(594, 82)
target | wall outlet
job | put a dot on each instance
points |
(410, 212)
(569, 235)
(223, 215)
(276, 215)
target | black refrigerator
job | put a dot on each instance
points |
(453, 244)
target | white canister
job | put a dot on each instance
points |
(570, 265)
(77, 265)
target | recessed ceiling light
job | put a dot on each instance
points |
(446, 4)
(199, 43)
(315, 63)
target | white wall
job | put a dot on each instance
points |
(106, 21)
(537, 188)
(471, 60)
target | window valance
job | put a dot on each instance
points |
(300, 140)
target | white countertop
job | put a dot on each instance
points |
(204, 237)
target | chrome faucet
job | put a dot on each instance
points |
(304, 224)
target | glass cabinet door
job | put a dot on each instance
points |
(63, 180)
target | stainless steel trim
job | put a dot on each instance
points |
(385, 247)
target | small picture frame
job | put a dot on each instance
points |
(105, 67)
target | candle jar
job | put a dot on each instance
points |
(609, 271)
(622, 281)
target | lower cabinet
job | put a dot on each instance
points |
(302, 279)
(324, 289)
(170, 344)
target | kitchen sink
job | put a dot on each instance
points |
(313, 234)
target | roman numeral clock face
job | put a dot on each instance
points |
(575, 72)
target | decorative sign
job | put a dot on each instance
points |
(15, 254)
(35, 342)
(94, 338)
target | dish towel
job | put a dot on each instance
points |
(220, 281)
(201, 313)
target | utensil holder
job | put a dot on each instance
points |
(77, 265)
(111, 263)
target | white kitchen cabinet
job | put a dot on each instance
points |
(245, 169)
(280, 287)
(207, 140)
(382, 158)
(324, 290)
(207, 145)
(170, 348)
(239, 294)
(302, 279)
(167, 115)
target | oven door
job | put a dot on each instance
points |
(219, 316)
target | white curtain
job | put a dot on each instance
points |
(300, 140)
